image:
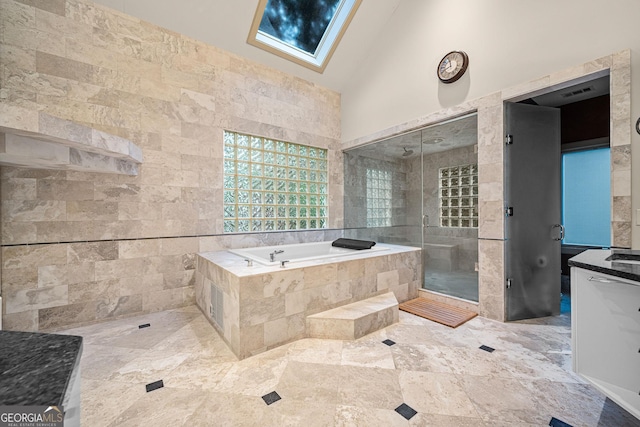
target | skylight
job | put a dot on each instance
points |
(306, 32)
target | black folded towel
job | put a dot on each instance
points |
(353, 244)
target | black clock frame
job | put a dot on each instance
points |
(460, 73)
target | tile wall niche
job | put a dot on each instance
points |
(490, 109)
(85, 247)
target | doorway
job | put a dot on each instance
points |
(550, 206)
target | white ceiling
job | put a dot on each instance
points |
(226, 24)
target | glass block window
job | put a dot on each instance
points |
(459, 196)
(378, 198)
(273, 185)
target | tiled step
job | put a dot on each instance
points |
(354, 320)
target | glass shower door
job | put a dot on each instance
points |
(450, 208)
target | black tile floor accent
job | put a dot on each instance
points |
(270, 398)
(388, 342)
(406, 411)
(154, 385)
(146, 325)
(558, 423)
(487, 348)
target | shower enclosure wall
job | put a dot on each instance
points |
(420, 189)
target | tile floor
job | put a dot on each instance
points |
(437, 371)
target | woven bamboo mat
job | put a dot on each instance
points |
(437, 311)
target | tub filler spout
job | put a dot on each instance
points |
(273, 254)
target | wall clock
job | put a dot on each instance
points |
(452, 66)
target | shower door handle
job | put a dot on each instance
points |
(561, 232)
(425, 221)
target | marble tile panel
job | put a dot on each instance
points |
(298, 375)
(63, 67)
(503, 400)
(139, 211)
(98, 361)
(312, 350)
(621, 234)
(54, 275)
(620, 112)
(19, 232)
(347, 416)
(621, 182)
(179, 279)
(33, 210)
(19, 278)
(119, 268)
(128, 249)
(387, 280)
(93, 251)
(101, 412)
(438, 393)
(48, 189)
(116, 192)
(167, 299)
(54, 318)
(148, 367)
(361, 288)
(118, 306)
(282, 283)
(92, 291)
(261, 311)
(321, 275)
(34, 299)
(286, 329)
(419, 357)
(179, 246)
(367, 353)
(91, 211)
(23, 321)
(18, 189)
(370, 387)
(621, 209)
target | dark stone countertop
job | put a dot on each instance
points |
(35, 368)
(610, 261)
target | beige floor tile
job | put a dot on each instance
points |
(436, 393)
(162, 407)
(504, 400)
(370, 388)
(372, 354)
(353, 416)
(297, 378)
(437, 370)
(103, 401)
(312, 350)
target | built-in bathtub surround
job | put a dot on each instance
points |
(171, 96)
(266, 306)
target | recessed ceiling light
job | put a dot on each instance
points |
(433, 141)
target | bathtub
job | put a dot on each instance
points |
(299, 252)
(259, 307)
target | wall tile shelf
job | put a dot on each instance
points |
(35, 139)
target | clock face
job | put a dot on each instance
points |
(452, 66)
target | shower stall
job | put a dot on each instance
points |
(421, 189)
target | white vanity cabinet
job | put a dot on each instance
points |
(605, 330)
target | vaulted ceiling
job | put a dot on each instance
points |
(226, 24)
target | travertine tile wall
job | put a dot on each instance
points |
(170, 95)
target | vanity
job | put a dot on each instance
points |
(41, 370)
(605, 323)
